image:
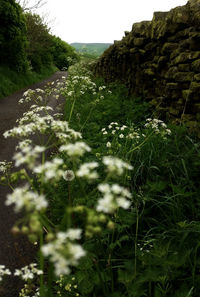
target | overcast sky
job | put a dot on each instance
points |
(102, 20)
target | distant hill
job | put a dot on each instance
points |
(91, 48)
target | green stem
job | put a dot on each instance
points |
(41, 266)
(71, 111)
(136, 237)
(87, 118)
(137, 147)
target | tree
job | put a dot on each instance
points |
(13, 40)
(27, 5)
(64, 55)
(39, 39)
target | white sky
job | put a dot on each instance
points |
(102, 20)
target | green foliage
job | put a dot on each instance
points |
(28, 52)
(91, 49)
(13, 41)
(39, 52)
(63, 54)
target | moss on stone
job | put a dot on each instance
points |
(183, 76)
(196, 65)
(197, 77)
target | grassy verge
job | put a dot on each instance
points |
(115, 208)
(153, 250)
(11, 81)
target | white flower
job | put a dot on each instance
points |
(4, 271)
(104, 188)
(50, 169)
(28, 154)
(106, 204)
(87, 170)
(28, 272)
(121, 136)
(75, 150)
(73, 234)
(23, 198)
(116, 165)
(4, 166)
(63, 252)
(114, 196)
(108, 144)
(124, 203)
(158, 126)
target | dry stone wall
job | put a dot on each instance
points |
(160, 60)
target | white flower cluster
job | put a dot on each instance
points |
(4, 271)
(115, 165)
(63, 252)
(34, 122)
(28, 154)
(114, 196)
(39, 95)
(23, 198)
(113, 128)
(121, 132)
(86, 170)
(28, 272)
(158, 126)
(4, 166)
(27, 96)
(78, 85)
(76, 149)
(50, 169)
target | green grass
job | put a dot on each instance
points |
(11, 81)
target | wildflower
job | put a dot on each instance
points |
(123, 127)
(113, 197)
(4, 271)
(75, 150)
(106, 204)
(4, 166)
(63, 252)
(68, 175)
(50, 169)
(108, 144)
(23, 198)
(87, 170)
(158, 126)
(28, 154)
(28, 272)
(116, 165)
(121, 136)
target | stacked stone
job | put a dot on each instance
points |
(160, 60)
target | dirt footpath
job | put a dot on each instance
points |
(15, 252)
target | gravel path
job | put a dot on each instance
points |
(15, 251)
